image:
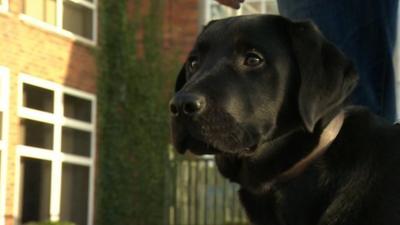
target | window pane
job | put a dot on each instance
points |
(252, 8)
(38, 98)
(78, 19)
(75, 141)
(35, 190)
(44, 10)
(36, 134)
(272, 7)
(77, 108)
(74, 194)
(218, 11)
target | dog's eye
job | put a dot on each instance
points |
(253, 59)
(193, 64)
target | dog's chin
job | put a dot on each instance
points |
(196, 147)
(200, 147)
(208, 136)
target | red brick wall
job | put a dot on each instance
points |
(25, 48)
(182, 23)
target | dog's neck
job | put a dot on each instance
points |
(328, 135)
(314, 147)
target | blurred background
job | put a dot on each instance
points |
(84, 136)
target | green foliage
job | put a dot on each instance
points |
(133, 128)
(50, 223)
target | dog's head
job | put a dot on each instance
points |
(252, 79)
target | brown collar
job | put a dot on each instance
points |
(328, 135)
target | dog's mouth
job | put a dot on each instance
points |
(250, 149)
(212, 139)
(214, 131)
(200, 147)
(195, 146)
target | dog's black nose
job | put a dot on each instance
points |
(186, 104)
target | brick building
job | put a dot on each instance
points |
(48, 100)
(48, 106)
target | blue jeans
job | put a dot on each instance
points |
(365, 30)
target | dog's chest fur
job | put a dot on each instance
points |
(356, 182)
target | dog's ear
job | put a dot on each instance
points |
(327, 77)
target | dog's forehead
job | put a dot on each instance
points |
(242, 28)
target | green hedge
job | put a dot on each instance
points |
(133, 128)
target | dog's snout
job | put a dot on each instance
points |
(186, 104)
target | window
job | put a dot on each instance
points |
(74, 193)
(35, 183)
(4, 120)
(3, 5)
(56, 152)
(77, 17)
(214, 10)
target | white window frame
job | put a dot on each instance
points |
(4, 6)
(56, 156)
(209, 3)
(59, 21)
(4, 106)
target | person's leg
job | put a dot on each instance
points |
(366, 31)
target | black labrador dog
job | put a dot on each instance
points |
(269, 98)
